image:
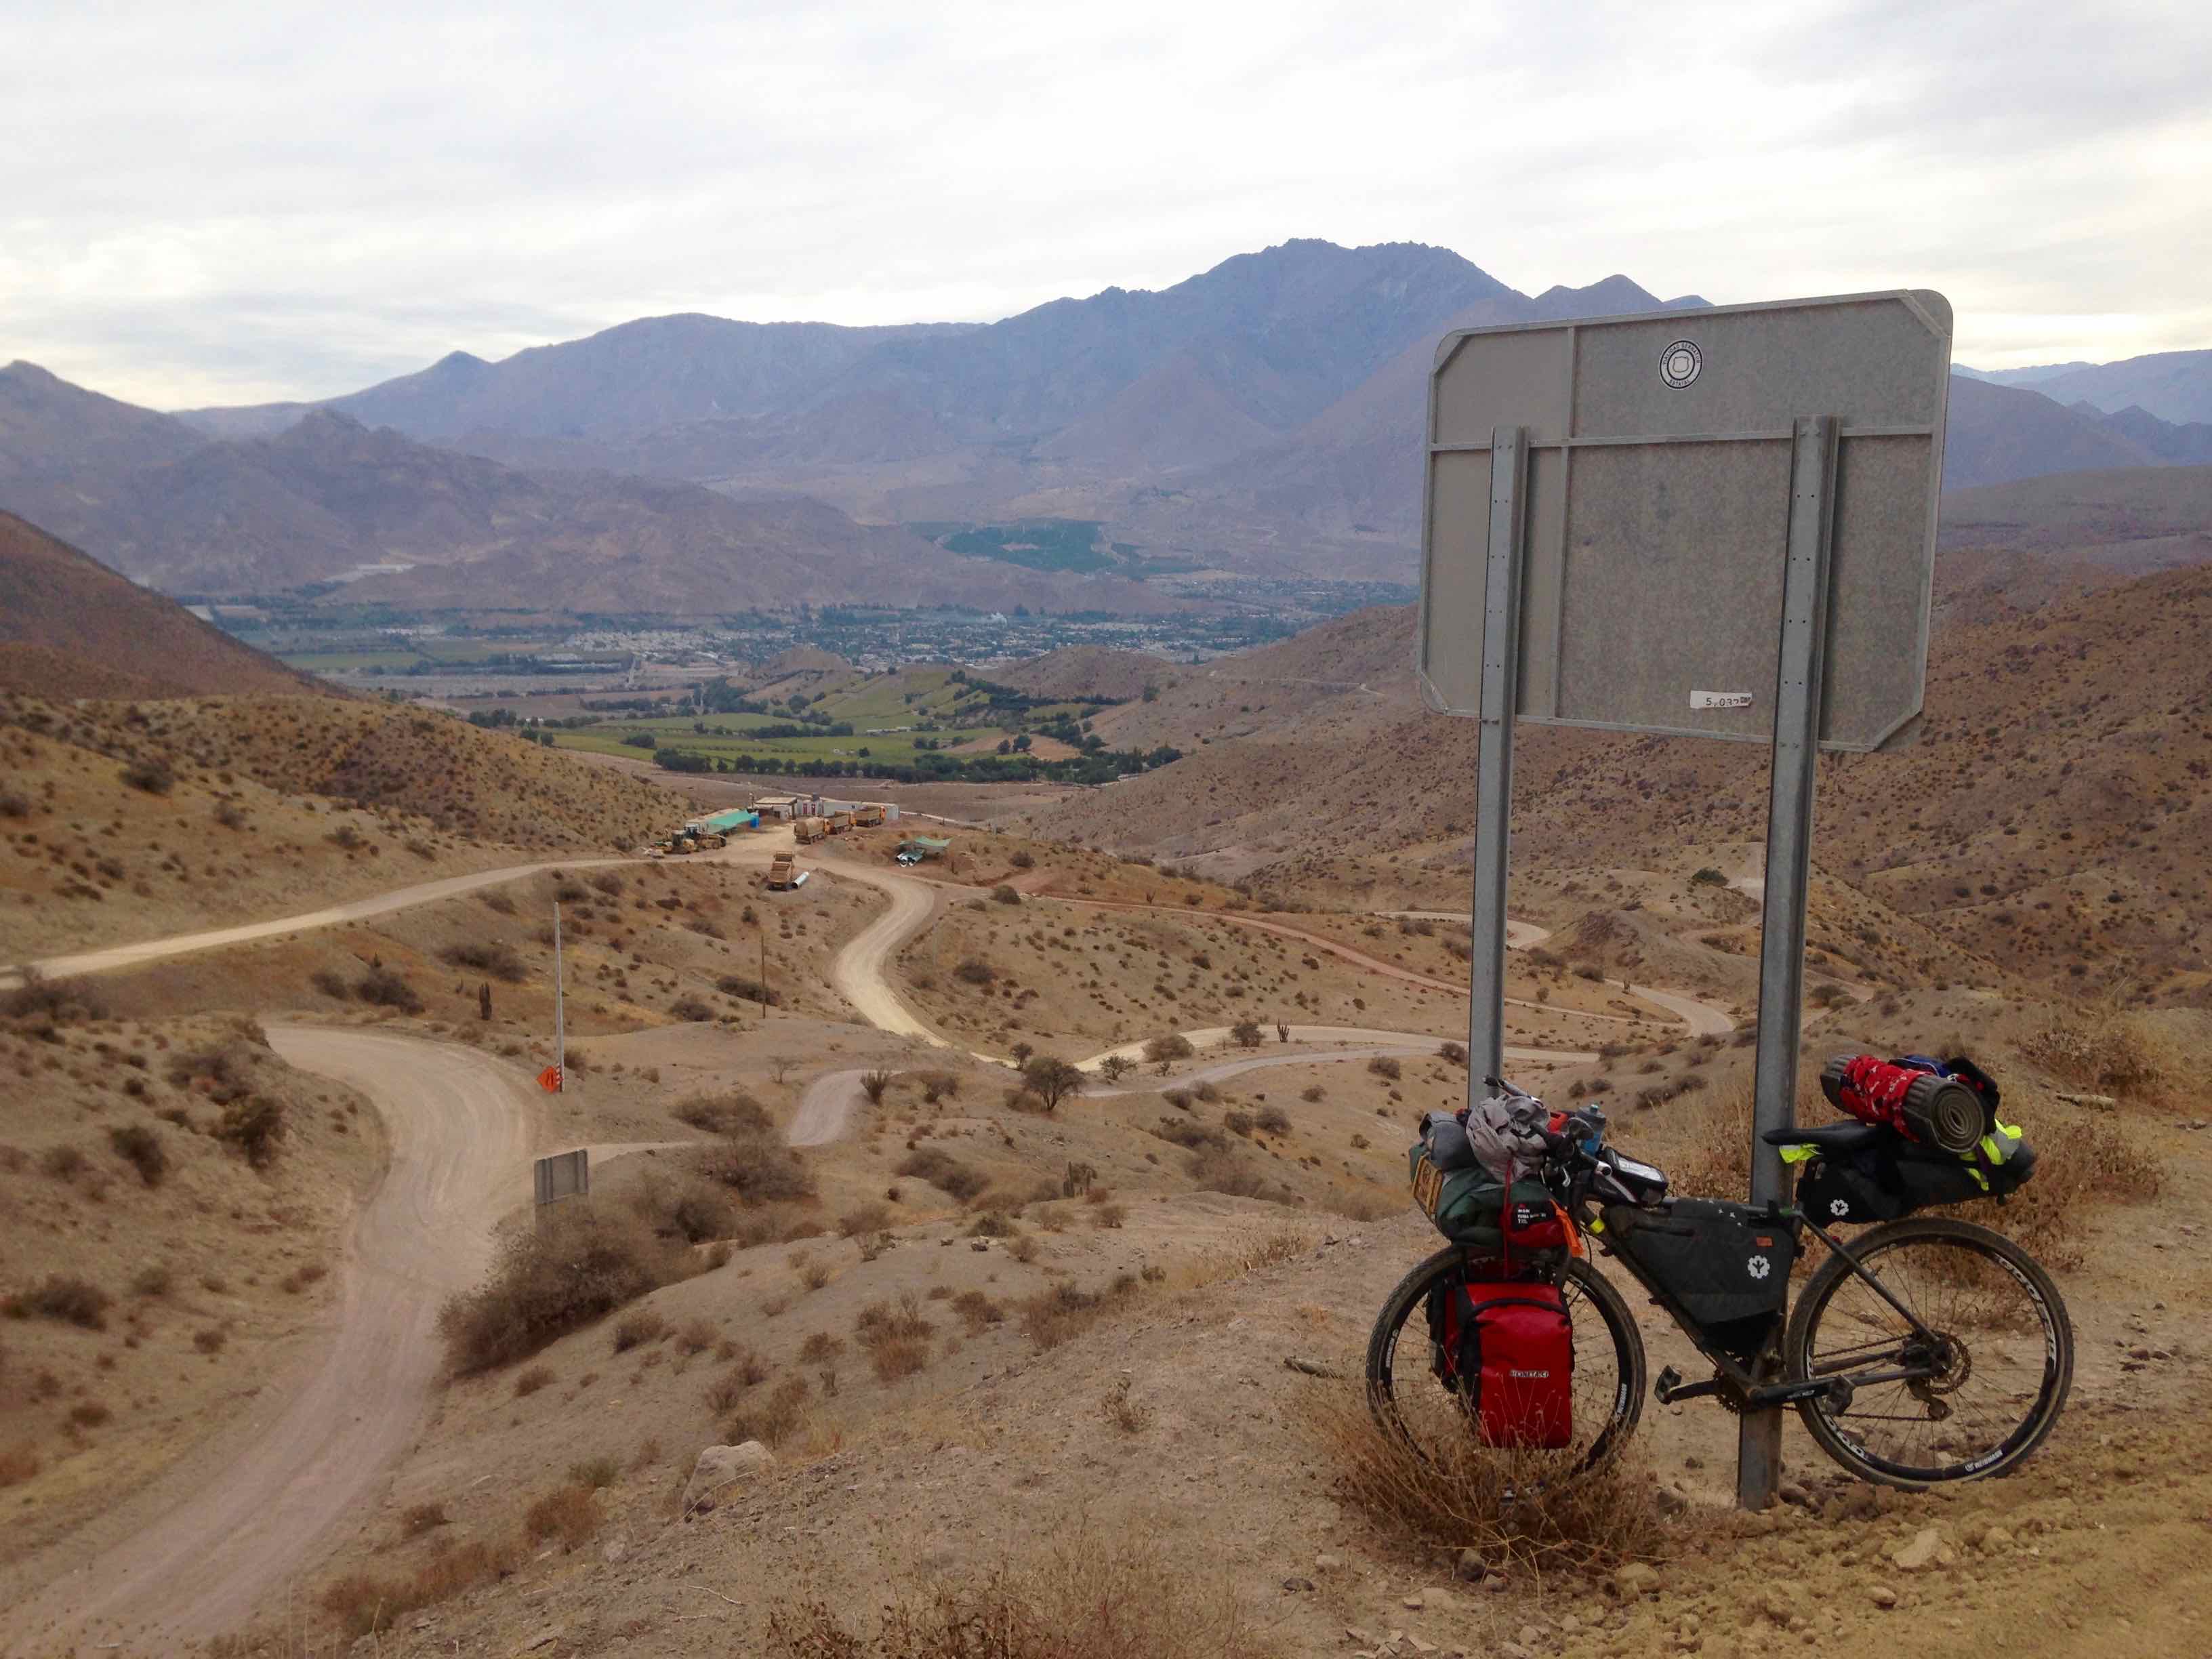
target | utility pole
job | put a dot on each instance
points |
(560, 1029)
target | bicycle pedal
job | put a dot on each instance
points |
(1668, 1381)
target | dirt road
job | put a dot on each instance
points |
(826, 1107)
(195, 1554)
(1217, 1037)
(184, 945)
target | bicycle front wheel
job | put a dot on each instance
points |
(1974, 1396)
(1409, 1399)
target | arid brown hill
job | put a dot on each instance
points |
(69, 627)
(1087, 671)
(328, 498)
(2054, 815)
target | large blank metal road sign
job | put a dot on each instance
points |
(1656, 512)
(1713, 523)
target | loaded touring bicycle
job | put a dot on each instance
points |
(1922, 1350)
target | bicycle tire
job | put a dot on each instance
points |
(1405, 1303)
(2029, 1274)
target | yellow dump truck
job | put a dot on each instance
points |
(784, 873)
(809, 829)
(839, 823)
(868, 816)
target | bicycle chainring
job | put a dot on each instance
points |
(1732, 1399)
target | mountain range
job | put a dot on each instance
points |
(1264, 417)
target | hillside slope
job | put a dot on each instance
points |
(2054, 813)
(1087, 671)
(69, 627)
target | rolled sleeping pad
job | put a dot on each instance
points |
(1936, 1111)
(1941, 1111)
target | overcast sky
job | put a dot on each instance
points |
(225, 203)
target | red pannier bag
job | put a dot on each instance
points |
(1508, 1350)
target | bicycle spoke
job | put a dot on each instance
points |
(1965, 1400)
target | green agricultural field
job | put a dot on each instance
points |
(340, 662)
(894, 750)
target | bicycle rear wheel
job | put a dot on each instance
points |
(1408, 1397)
(1989, 1388)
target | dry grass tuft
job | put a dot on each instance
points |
(567, 1514)
(1531, 1508)
(1064, 1312)
(18, 1463)
(2101, 1051)
(1088, 1598)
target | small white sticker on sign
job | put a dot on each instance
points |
(1720, 699)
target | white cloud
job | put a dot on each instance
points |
(230, 202)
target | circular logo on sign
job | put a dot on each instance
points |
(1760, 1267)
(1678, 364)
(1839, 1206)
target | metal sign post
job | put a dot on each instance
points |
(1634, 524)
(1501, 641)
(1797, 690)
(560, 1031)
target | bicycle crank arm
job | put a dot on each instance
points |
(1669, 1387)
(1803, 1388)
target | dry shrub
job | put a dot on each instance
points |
(532, 1379)
(1089, 1597)
(1218, 1170)
(895, 1339)
(820, 1348)
(463, 1567)
(567, 1514)
(893, 1357)
(53, 1001)
(18, 1463)
(2099, 1051)
(595, 1472)
(421, 1518)
(635, 1328)
(576, 1266)
(140, 1146)
(868, 1219)
(723, 1393)
(697, 1336)
(1064, 1312)
(944, 1173)
(486, 956)
(773, 1420)
(978, 1311)
(1530, 1509)
(385, 988)
(255, 1126)
(63, 1298)
(761, 1168)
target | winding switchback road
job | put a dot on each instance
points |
(203, 1548)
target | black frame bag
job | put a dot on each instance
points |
(1728, 1265)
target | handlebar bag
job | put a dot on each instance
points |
(1728, 1265)
(1508, 1350)
(1467, 1205)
